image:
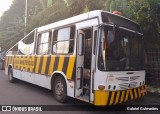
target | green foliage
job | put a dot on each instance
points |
(12, 23)
(145, 13)
(116, 5)
(85, 9)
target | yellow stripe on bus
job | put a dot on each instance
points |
(117, 97)
(21, 59)
(112, 98)
(131, 94)
(17, 59)
(37, 64)
(135, 93)
(44, 64)
(122, 97)
(139, 92)
(127, 94)
(51, 66)
(60, 64)
(24, 66)
(32, 67)
(70, 67)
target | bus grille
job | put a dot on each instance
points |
(127, 82)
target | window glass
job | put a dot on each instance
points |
(120, 50)
(63, 34)
(43, 43)
(61, 47)
(63, 40)
(44, 37)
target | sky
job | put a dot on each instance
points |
(4, 5)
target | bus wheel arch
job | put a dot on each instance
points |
(59, 87)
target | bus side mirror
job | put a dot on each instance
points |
(81, 44)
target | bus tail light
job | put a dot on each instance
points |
(101, 87)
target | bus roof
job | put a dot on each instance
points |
(81, 17)
(71, 20)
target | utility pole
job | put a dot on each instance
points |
(25, 17)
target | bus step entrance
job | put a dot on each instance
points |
(83, 98)
(86, 89)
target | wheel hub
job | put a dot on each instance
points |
(59, 88)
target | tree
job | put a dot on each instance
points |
(12, 21)
(112, 5)
(145, 13)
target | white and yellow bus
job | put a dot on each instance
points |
(96, 57)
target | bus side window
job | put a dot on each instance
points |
(63, 40)
(43, 43)
(72, 35)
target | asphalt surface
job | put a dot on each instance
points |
(22, 93)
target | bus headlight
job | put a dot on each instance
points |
(101, 87)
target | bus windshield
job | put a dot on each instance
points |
(119, 50)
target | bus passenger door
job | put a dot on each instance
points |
(93, 61)
(84, 57)
(80, 63)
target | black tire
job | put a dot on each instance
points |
(60, 89)
(10, 76)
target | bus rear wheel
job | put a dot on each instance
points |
(60, 89)
(10, 75)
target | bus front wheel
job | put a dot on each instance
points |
(10, 75)
(60, 89)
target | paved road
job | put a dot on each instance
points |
(23, 93)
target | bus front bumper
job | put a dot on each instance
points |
(116, 97)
